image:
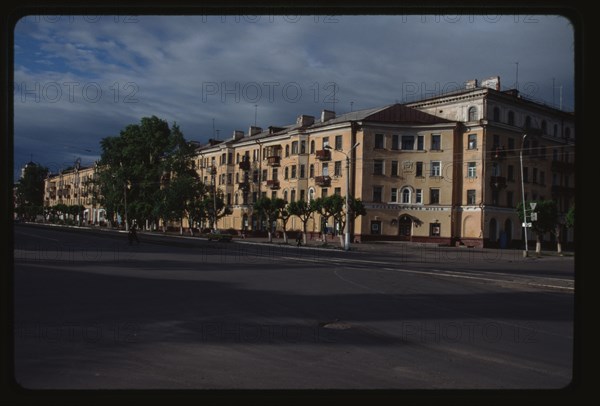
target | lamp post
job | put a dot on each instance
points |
(347, 225)
(213, 172)
(525, 253)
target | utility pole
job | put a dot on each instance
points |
(525, 253)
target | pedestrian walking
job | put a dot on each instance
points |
(132, 235)
(299, 240)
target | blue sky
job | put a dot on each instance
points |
(81, 78)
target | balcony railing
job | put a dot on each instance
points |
(323, 180)
(323, 155)
(273, 184)
(244, 186)
(498, 182)
(244, 165)
(274, 160)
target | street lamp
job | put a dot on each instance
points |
(525, 253)
(213, 172)
(347, 226)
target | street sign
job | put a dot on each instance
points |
(526, 224)
(532, 205)
(534, 216)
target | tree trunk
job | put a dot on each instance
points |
(342, 242)
(304, 233)
(285, 238)
(538, 245)
(181, 227)
(270, 236)
(558, 244)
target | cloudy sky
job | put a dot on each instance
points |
(81, 78)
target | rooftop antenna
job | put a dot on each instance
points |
(517, 80)
(255, 112)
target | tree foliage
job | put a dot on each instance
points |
(29, 196)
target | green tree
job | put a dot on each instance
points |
(29, 196)
(547, 219)
(132, 165)
(302, 210)
(284, 215)
(334, 206)
(270, 210)
(214, 200)
(571, 217)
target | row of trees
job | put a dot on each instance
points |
(548, 221)
(328, 207)
(146, 173)
(29, 192)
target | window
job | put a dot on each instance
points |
(324, 192)
(472, 141)
(235, 199)
(378, 140)
(471, 197)
(303, 147)
(535, 148)
(511, 118)
(273, 195)
(419, 170)
(526, 147)
(436, 168)
(395, 141)
(229, 199)
(302, 171)
(542, 178)
(510, 173)
(295, 148)
(285, 195)
(420, 142)
(436, 142)
(527, 122)
(555, 132)
(325, 142)
(525, 174)
(394, 197)
(534, 175)
(419, 196)
(567, 133)
(496, 140)
(237, 177)
(302, 194)
(337, 191)
(293, 195)
(472, 170)
(378, 167)
(406, 195)
(434, 229)
(377, 193)
(312, 147)
(495, 197)
(511, 145)
(229, 178)
(543, 152)
(337, 168)
(394, 168)
(495, 169)
(294, 168)
(311, 171)
(285, 173)
(325, 169)
(264, 174)
(554, 179)
(509, 198)
(338, 142)
(434, 196)
(408, 142)
(311, 194)
(254, 196)
(544, 127)
(287, 150)
(496, 114)
(472, 114)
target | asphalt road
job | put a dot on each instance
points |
(93, 312)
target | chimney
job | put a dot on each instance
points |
(238, 135)
(492, 83)
(304, 120)
(471, 84)
(254, 130)
(327, 115)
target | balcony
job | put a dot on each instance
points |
(273, 184)
(244, 165)
(498, 182)
(274, 160)
(323, 181)
(323, 155)
(498, 153)
(244, 186)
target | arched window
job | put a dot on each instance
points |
(511, 118)
(312, 147)
(472, 113)
(287, 150)
(406, 195)
(496, 114)
(311, 194)
(285, 195)
(311, 171)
